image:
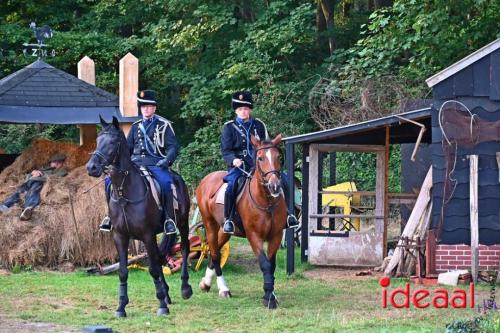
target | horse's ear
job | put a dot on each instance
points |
(103, 122)
(115, 122)
(277, 140)
(255, 141)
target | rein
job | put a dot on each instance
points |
(118, 190)
(270, 208)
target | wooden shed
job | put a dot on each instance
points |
(471, 85)
(471, 88)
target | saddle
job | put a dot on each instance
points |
(155, 188)
(240, 185)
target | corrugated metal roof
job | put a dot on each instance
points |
(359, 127)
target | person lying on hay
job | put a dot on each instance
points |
(33, 185)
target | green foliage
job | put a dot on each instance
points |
(196, 53)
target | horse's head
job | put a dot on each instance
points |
(108, 147)
(267, 163)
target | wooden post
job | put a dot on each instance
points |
(380, 193)
(129, 85)
(474, 229)
(386, 188)
(86, 72)
(290, 239)
(304, 244)
(313, 187)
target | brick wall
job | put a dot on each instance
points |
(449, 257)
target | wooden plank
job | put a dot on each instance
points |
(481, 73)
(474, 228)
(326, 147)
(114, 267)
(463, 82)
(430, 254)
(418, 211)
(495, 75)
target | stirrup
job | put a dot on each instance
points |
(291, 221)
(169, 231)
(106, 225)
(228, 227)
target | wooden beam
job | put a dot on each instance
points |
(326, 147)
(474, 228)
(129, 85)
(313, 187)
(304, 244)
(86, 72)
(316, 216)
(424, 197)
(380, 192)
(386, 187)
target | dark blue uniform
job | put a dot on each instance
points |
(235, 143)
(150, 142)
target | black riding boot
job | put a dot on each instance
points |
(291, 220)
(106, 221)
(168, 205)
(228, 212)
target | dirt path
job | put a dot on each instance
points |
(10, 325)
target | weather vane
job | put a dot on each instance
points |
(40, 49)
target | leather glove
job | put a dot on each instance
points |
(164, 163)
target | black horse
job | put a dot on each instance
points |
(135, 214)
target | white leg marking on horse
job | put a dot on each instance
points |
(221, 284)
(209, 275)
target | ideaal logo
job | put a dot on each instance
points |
(423, 298)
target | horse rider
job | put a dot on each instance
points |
(33, 185)
(238, 153)
(152, 144)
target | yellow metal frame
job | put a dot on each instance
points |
(344, 201)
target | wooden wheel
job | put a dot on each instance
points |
(199, 230)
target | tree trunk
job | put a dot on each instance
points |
(346, 8)
(326, 10)
(246, 10)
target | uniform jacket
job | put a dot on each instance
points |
(153, 142)
(235, 141)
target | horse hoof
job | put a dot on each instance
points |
(187, 292)
(225, 294)
(270, 304)
(162, 312)
(204, 287)
(120, 314)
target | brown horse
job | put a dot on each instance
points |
(263, 213)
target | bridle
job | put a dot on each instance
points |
(116, 153)
(265, 182)
(263, 174)
(120, 198)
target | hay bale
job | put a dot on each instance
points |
(49, 238)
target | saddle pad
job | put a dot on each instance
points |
(156, 189)
(222, 190)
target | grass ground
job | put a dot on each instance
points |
(308, 303)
